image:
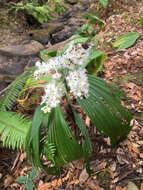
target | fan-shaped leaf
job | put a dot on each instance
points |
(33, 146)
(86, 144)
(33, 138)
(67, 148)
(104, 108)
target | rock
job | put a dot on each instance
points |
(63, 35)
(2, 2)
(43, 35)
(52, 26)
(14, 65)
(29, 49)
(13, 60)
(58, 46)
(62, 28)
(7, 78)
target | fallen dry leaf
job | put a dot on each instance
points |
(76, 181)
(93, 186)
(119, 188)
(133, 147)
(45, 186)
(129, 85)
(83, 176)
(9, 179)
(87, 121)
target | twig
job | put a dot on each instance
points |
(137, 178)
(2, 91)
(15, 161)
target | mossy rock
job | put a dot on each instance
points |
(43, 35)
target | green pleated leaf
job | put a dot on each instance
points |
(86, 144)
(67, 148)
(125, 41)
(103, 106)
(95, 61)
(33, 138)
(13, 129)
(60, 146)
(34, 145)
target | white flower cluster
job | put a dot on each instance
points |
(43, 69)
(53, 95)
(75, 55)
(78, 83)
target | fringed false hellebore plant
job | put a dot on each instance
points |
(65, 80)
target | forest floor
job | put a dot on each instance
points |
(119, 168)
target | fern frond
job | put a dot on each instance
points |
(49, 151)
(13, 129)
(13, 90)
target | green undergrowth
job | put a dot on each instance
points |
(40, 12)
